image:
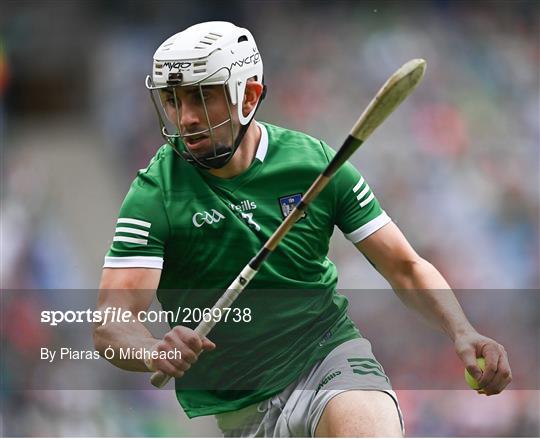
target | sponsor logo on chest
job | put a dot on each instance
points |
(244, 206)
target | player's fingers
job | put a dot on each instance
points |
(469, 360)
(175, 348)
(491, 355)
(179, 361)
(504, 368)
(172, 371)
(207, 344)
(171, 365)
(189, 356)
(502, 377)
(192, 340)
(187, 336)
(173, 339)
(167, 368)
(181, 365)
(184, 362)
(494, 387)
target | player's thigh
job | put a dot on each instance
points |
(360, 413)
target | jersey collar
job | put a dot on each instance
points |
(262, 149)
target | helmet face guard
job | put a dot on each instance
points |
(207, 54)
(166, 103)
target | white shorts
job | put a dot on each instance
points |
(296, 411)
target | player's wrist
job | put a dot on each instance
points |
(461, 331)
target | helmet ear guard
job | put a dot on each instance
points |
(240, 90)
(212, 53)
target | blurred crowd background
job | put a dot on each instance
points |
(456, 167)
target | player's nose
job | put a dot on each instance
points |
(190, 117)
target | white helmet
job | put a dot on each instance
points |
(211, 53)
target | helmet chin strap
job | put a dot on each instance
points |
(217, 158)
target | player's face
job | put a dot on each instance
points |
(187, 113)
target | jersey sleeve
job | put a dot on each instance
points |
(358, 213)
(142, 228)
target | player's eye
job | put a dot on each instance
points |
(198, 97)
(170, 101)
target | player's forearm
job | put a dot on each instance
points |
(124, 337)
(421, 287)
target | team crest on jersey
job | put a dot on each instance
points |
(288, 203)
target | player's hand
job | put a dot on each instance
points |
(497, 374)
(188, 343)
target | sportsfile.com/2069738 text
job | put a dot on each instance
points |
(119, 315)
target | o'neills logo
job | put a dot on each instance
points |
(179, 65)
(327, 379)
(244, 205)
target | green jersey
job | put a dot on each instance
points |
(202, 230)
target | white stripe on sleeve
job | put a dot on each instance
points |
(133, 262)
(131, 240)
(363, 193)
(131, 230)
(367, 200)
(358, 185)
(134, 221)
(367, 229)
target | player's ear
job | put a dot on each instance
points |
(251, 96)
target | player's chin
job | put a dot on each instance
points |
(208, 150)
